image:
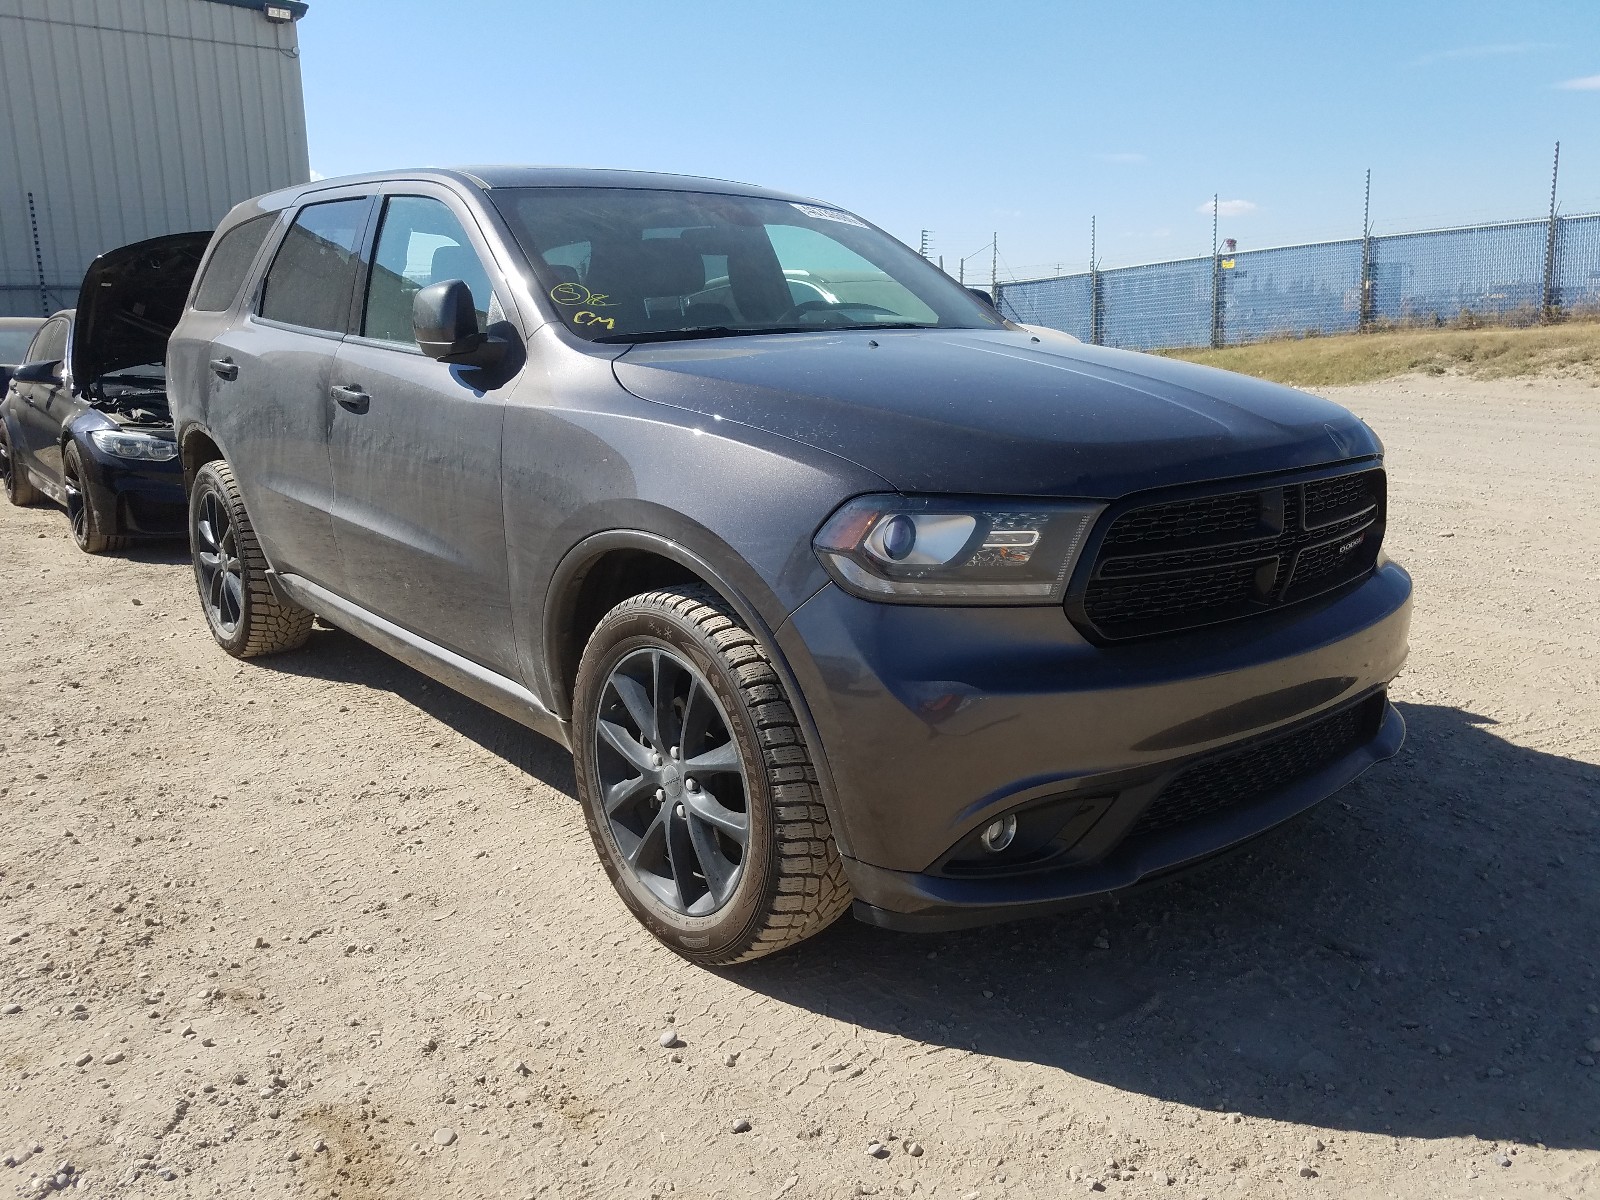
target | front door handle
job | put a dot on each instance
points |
(352, 397)
(225, 368)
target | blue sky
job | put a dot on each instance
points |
(1024, 118)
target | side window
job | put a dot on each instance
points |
(419, 243)
(50, 343)
(310, 279)
(230, 260)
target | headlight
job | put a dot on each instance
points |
(125, 444)
(911, 550)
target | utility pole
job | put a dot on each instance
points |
(994, 267)
(1216, 277)
(926, 249)
(1550, 312)
(1364, 320)
(1094, 288)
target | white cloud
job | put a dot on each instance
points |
(1127, 157)
(1589, 83)
(316, 175)
(1229, 208)
(1163, 232)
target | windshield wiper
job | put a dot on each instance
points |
(705, 331)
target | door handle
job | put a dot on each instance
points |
(225, 368)
(352, 397)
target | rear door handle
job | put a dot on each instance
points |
(225, 368)
(352, 397)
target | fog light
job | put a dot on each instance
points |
(999, 834)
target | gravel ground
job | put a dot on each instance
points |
(317, 926)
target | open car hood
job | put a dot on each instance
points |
(130, 303)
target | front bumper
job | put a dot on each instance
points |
(936, 721)
(141, 499)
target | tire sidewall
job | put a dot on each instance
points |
(70, 454)
(207, 481)
(623, 632)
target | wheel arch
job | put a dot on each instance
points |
(603, 570)
(196, 447)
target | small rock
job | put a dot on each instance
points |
(914, 1149)
(1316, 1146)
(675, 1057)
(239, 1078)
(730, 1060)
(1503, 1161)
(668, 1039)
(293, 1156)
(1494, 1072)
(1444, 1050)
(522, 1068)
(429, 1046)
(1592, 1045)
(878, 1150)
(742, 1125)
(83, 1060)
(1586, 1060)
(444, 1136)
(1096, 1186)
(11, 1009)
(261, 943)
(1101, 943)
(318, 1146)
(1307, 1173)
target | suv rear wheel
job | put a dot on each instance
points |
(696, 782)
(246, 617)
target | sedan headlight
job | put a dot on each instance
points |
(922, 550)
(126, 444)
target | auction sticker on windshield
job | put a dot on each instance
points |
(831, 214)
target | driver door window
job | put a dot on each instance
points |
(419, 243)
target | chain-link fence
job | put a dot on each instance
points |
(1507, 273)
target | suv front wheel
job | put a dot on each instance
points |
(696, 782)
(246, 617)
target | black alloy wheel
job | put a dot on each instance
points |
(245, 615)
(697, 782)
(85, 525)
(673, 785)
(218, 568)
(19, 488)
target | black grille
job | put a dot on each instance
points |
(1181, 564)
(1252, 774)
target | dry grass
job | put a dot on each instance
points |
(1571, 349)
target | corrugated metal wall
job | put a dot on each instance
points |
(132, 118)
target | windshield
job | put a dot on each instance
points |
(632, 264)
(14, 344)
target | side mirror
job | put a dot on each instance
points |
(38, 372)
(446, 326)
(980, 294)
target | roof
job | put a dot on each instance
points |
(503, 176)
(295, 7)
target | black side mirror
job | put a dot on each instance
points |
(446, 326)
(980, 294)
(38, 372)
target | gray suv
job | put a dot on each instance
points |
(838, 585)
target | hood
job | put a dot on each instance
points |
(130, 303)
(999, 412)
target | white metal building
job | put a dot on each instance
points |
(126, 119)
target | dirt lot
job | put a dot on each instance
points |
(316, 926)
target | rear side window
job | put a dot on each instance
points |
(50, 343)
(310, 280)
(225, 270)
